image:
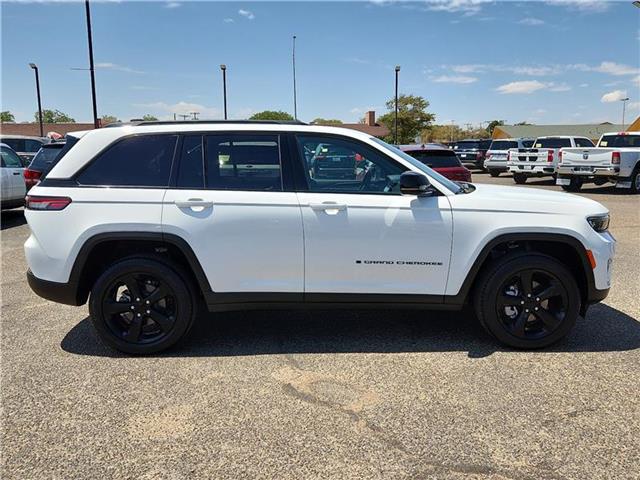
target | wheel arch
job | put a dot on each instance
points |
(100, 250)
(567, 249)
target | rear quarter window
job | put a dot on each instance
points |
(141, 160)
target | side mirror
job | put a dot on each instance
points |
(413, 183)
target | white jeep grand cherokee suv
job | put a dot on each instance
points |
(150, 221)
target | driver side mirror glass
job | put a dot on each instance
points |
(413, 183)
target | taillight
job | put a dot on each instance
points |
(560, 156)
(34, 202)
(615, 158)
(549, 156)
(31, 177)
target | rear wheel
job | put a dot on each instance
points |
(494, 173)
(527, 300)
(520, 178)
(141, 306)
(575, 184)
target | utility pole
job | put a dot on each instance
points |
(395, 119)
(35, 68)
(91, 68)
(624, 105)
(295, 99)
(195, 115)
(224, 88)
(451, 131)
(184, 117)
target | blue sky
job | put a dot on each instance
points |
(543, 62)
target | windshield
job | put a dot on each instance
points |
(436, 158)
(454, 187)
(620, 141)
(552, 142)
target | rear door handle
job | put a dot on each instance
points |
(193, 202)
(327, 206)
(17, 173)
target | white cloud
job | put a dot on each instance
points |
(534, 71)
(636, 81)
(247, 14)
(583, 85)
(525, 86)
(558, 87)
(181, 108)
(461, 79)
(467, 7)
(614, 96)
(172, 5)
(228, 20)
(115, 66)
(586, 6)
(531, 21)
(613, 68)
(633, 105)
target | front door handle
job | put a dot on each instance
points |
(328, 206)
(17, 173)
(193, 202)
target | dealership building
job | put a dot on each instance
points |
(592, 131)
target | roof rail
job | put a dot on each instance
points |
(204, 122)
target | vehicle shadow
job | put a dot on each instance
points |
(12, 218)
(340, 331)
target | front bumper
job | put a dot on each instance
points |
(66, 293)
(589, 170)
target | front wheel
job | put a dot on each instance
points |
(494, 173)
(520, 178)
(141, 306)
(527, 300)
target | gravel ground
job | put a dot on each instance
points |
(323, 394)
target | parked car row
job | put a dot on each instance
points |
(21, 170)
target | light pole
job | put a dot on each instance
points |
(91, 69)
(395, 119)
(224, 88)
(35, 68)
(295, 100)
(624, 105)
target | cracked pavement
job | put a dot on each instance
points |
(323, 394)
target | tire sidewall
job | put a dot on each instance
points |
(499, 273)
(179, 287)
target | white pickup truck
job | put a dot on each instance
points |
(543, 158)
(616, 159)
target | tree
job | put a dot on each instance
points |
(149, 118)
(493, 124)
(7, 117)
(413, 117)
(107, 119)
(442, 133)
(54, 116)
(326, 121)
(272, 115)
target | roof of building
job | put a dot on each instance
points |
(33, 129)
(593, 130)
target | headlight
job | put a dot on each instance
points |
(599, 223)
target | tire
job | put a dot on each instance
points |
(506, 311)
(494, 173)
(162, 316)
(575, 184)
(520, 178)
(635, 181)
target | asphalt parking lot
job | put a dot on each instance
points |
(324, 394)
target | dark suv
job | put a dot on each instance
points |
(472, 151)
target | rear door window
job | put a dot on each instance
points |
(10, 159)
(436, 158)
(32, 146)
(140, 160)
(17, 144)
(245, 162)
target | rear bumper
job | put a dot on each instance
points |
(608, 171)
(66, 293)
(531, 168)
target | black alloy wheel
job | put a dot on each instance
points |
(142, 305)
